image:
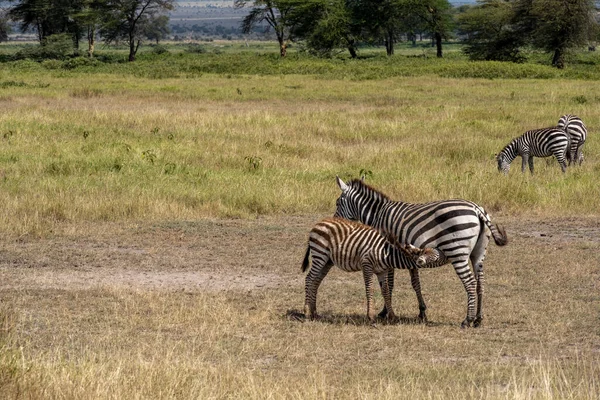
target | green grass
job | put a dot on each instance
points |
(107, 142)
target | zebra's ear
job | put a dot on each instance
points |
(341, 184)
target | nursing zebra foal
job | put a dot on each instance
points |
(459, 229)
(353, 246)
(577, 132)
(535, 143)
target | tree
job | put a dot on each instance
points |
(276, 13)
(157, 27)
(555, 26)
(90, 18)
(4, 28)
(436, 17)
(490, 32)
(48, 17)
(381, 20)
(325, 25)
(128, 19)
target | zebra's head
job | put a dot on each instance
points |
(421, 256)
(503, 163)
(345, 206)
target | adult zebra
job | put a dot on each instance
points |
(456, 227)
(539, 143)
(577, 132)
(353, 246)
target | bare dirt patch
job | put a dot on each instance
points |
(208, 255)
(200, 255)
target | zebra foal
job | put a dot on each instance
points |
(353, 247)
(459, 229)
(577, 131)
(535, 143)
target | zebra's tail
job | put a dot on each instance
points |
(498, 232)
(305, 262)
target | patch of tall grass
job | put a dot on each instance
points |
(95, 143)
(122, 344)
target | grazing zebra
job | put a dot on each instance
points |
(577, 131)
(535, 143)
(353, 246)
(455, 227)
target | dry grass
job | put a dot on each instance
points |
(77, 328)
(106, 291)
(100, 147)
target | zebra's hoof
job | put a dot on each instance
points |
(465, 324)
(477, 323)
(383, 313)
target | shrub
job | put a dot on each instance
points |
(159, 49)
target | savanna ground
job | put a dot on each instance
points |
(153, 228)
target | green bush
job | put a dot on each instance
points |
(57, 47)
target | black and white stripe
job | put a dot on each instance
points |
(577, 132)
(535, 143)
(353, 246)
(459, 228)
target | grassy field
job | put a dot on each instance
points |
(155, 215)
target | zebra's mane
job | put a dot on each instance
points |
(367, 189)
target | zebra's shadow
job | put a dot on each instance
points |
(356, 319)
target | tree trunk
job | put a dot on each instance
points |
(351, 42)
(91, 40)
(131, 48)
(558, 60)
(438, 45)
(352, 51)
(389, 42)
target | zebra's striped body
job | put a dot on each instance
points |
(458, 228)
(577, 132)
(535, 143)
(353, 247)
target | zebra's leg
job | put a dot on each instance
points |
(319, 269)
(461, 266)
(531, 164)
(390, 282)
(561, 158)
(480, 283)
(524, 160)
(477, 257)
(563, 165)
(416, 284)
(387, 296)
(579, 155)
(368, 276)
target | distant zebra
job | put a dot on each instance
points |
(458, 228)
(353, 246)
(535, 143)
(577, 131)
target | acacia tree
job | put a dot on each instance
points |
(326, 25)
(4, 27)
(555, 26)
(48, 17)
(90, 18)
(436, 18)
(128, 19)
(278, 14)
(490, 32)
(157, 28)
(380, 20)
